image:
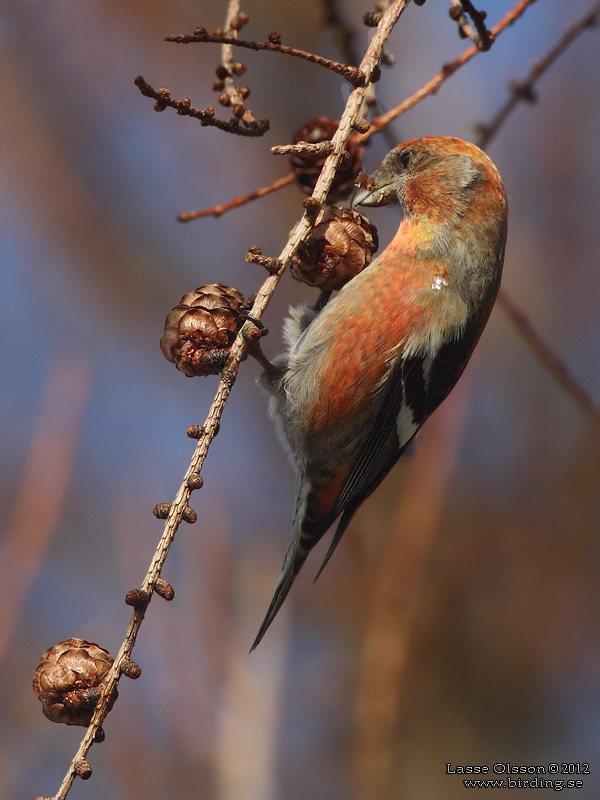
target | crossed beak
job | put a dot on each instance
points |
(378, 190)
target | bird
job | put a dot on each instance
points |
(362, 373)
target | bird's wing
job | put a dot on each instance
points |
(417, 385)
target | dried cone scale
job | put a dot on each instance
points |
(201, 329)
(340, 247)
(67, 680)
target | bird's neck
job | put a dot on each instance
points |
(419, 237)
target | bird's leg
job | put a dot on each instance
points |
(322, 299)
(253, 334)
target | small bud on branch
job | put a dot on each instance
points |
(352, 74)
(206, 117)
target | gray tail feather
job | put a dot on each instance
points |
(291, 568)
(341, 529)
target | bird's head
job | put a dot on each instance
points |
(436, 177)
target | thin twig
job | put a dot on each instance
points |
(546, 355)
(352, 74)
(216, 211)
(210, 428)
(524, 90)
(227, 50)
(481, 37)
(447, 70)
(465, 29)
(206, 117)
(235, 96)
(486, 37)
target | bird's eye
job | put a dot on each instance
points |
(405, 158)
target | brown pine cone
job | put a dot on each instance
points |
(306, 168)
(340, 247)
(67, 680)
(200, 330)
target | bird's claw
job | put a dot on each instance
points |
(253, 334)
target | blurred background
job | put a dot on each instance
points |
(458, 621)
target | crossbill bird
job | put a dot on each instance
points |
(362, 374)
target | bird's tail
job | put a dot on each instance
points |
(341, 529)
(308, 527)
(294, 558)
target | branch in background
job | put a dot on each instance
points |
(523, 90)
(178, 510)
(546, 355)
(352, 74)
(216, 211)
(47, 472)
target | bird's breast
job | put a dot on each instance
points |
(345, 356)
